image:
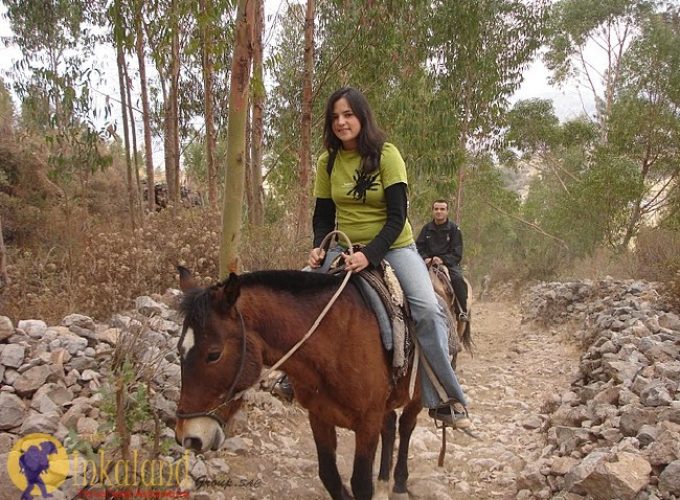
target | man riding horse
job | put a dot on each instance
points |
(441, 242)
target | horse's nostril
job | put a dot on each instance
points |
(193, 443)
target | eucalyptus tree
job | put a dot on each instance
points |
(587, 41)
(254, 188)
(119, 35)
(479, 51)
(7, 118)
(163, 35)
(305, 154)
(577, 180)
(140, 44)
(232, 207)
(645, 118)
(366, 45)
(205, 47)
(206, 27)
(284, 105)
(55, 72)
(490, 221)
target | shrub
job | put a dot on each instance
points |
(657, 253)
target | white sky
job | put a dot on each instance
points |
(568, 102)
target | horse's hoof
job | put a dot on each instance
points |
(382, 491)
(399, 496)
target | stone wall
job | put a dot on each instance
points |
(615, 433)
(53, 379)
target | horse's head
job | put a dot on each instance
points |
(216, 359)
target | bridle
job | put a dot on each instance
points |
(230, 396)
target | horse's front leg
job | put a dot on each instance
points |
(326, 442)
(387, 436)
(407, 422)
(366, 443)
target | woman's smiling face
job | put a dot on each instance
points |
(346, 125)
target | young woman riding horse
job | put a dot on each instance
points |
(342, 374)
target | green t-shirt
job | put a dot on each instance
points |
(362, 219)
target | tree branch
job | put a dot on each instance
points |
(527, 223)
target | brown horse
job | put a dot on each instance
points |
(342, 374)
(441, 282)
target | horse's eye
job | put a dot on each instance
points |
(214, 356)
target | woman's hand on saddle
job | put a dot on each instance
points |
(316, 257)
(355, 262)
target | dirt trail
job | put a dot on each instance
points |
(515, 369)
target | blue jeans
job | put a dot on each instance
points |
(429, 319)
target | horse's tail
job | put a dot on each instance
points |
(466, 339)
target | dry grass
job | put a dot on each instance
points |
(602, 263)
(101, 267)
(657, 253)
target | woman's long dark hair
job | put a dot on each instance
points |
(371, 138)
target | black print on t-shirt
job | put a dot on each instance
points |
(363, 182)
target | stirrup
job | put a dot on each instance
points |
(283, 389)
(463, 316)
(451, 415)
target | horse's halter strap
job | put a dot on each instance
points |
(230, 396)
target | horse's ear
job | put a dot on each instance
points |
(186, 280)
(231, 289)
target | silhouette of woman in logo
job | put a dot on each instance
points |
(33, 463)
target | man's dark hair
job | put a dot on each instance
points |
(371, 138)
(440, 200)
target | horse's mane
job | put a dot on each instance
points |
(196, 303)
(195, 306)
(296, 282)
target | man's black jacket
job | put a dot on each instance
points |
(444, 241)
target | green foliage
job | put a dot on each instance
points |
(196, 167)
(137, 408)
(533, 126)
(573, 23)
(601, 201)
(6, 109)
(488, 226)
(579, 132)
(480, 50)
(55, 42)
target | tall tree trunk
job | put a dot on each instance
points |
(146, 117)
(174, 100)
(4, 276)
(255, 192)
(169, 160)
(206, 60)
(120, 62)
(171, 109)
(135, 156)
(462, 145)
(304, 174)
(236, 140)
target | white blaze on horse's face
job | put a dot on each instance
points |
(187, 343)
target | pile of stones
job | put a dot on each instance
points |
(59, 380)
(616, 432)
